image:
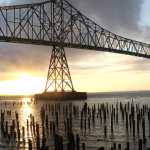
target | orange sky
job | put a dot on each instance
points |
(91, 71)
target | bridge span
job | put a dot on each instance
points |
(59, 24)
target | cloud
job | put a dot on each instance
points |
(23, 57)
(120, 16)
(16, 2)
(142, 65)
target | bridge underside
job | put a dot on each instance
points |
(73, 45)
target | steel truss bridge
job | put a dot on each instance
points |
(59, 24)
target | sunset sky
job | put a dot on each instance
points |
(23, 68)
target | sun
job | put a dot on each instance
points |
(24, 84)
(24, 74)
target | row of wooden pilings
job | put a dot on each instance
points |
(135, 117)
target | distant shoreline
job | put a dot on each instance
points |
(94, 94)
(121, 94)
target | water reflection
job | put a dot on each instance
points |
(26, 111)
(95, 123)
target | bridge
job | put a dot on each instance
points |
(58, 24)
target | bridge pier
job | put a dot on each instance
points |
(59, 84)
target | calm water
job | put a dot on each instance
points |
(29, 112)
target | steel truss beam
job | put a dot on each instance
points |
(57, 22)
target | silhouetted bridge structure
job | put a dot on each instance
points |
(57, 23)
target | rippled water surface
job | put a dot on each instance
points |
(88, 124)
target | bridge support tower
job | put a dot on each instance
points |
(58, 78)
(59, 84)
